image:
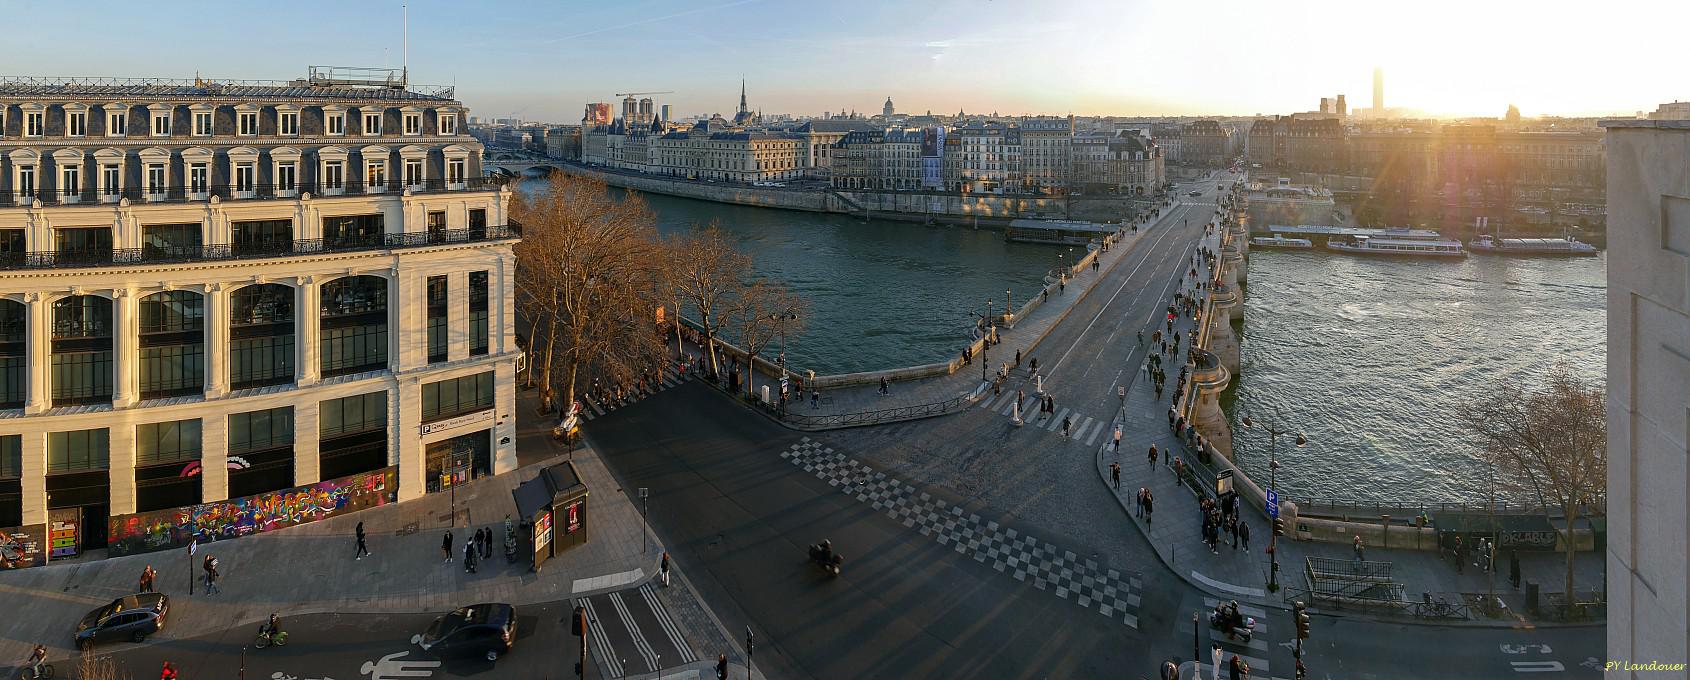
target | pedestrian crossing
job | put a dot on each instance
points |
(1084, 429)
(1254, 652)
(594, 406)
(631, 628)
(1008, 551)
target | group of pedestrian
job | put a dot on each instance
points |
(1146, 503)
(149, 578)
(885, 386)
(1222, 519)
(210, 566)
(1047, 406)
(1237, 668)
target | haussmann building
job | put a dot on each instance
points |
(215, 292)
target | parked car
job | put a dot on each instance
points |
(479, 630)
(132, 618)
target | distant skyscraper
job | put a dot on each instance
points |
(667, 111)
(887, 109)
(1343, 109)
(1326, 105)
(1378, 91)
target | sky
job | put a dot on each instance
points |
(544, 60)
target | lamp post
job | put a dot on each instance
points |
(1274, 431)
(1008, 305)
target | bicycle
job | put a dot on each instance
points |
(45, 672)
(279, 639)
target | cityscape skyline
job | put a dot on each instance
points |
(929, 60)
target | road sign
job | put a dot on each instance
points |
(1273, 503)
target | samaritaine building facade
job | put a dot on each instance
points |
(216, 290)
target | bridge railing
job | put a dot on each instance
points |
(835, 421)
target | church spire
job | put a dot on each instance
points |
(742, 106)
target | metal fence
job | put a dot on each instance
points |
(241, 191)
(836, 421)
(83, 258)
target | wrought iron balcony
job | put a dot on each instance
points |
(192, 193)
(119, 257)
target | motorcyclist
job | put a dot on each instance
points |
(36, 657)
(271, 627)
(824, 551)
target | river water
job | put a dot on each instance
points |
(882, 294)
(1373, 358)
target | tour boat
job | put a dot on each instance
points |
(1277, 241)
(1539, 247)
(1363, 245)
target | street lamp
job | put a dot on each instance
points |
(1273, 481)
(1008, 305)
(780, 319)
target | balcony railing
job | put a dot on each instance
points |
(190, 193)
(250, 251)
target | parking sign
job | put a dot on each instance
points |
(1273, 503)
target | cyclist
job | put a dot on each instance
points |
(36, 658)
(271, 627)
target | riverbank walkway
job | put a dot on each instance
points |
(310, 568)
(1174, 527)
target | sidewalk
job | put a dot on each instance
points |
(310, 568)
(1176, 523)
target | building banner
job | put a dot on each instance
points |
(177, 527)
(21, 546)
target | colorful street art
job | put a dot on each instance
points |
(20, 547)
(176, 527)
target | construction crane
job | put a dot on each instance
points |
(635, 94)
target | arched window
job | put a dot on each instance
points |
(354, 325)
(261, 336)
(14, 355)
(82, 350)
(172, 344)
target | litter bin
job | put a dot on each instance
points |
(1531, 597)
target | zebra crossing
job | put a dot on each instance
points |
(1086, 429)
(634, 625)
(1025, 558)
(594, 406)
(1254, 652)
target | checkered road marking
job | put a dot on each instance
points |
(1023, 557)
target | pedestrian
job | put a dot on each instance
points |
(487, 543)
(1244, 536)
(1240, 670)
(815, 398)
(446, 546)
(470, 557)
(663, 568)
(1115, 475)
(1117, 438)
(721, 667)
(1218, 657)
(885, 386)
(1232, 530)
(1045, 296)
(1094, 263)
(1359, 554)
(1170, 669)
(1149, 506)
(1152, 457)
(1513, 568)
(210, 567)
(363, 548)
(148, 576)
(1062, 286)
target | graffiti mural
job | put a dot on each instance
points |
(21, 546)
(236, 517)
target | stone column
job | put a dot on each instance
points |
(307, 467)
(39, 347)
(34, 478)
(126, 357)
(501, 305)
(407, 318)
(307, 326)
(404, 439)
(457, 316)
(504, 405)
(216, 340)
(214, 457)
(1222, 341)
(121, 437)
(1209, 379)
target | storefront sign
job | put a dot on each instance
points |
(543, 532)
(456, 422)
(64, 533)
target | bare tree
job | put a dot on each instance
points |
(588, 276)
(762, 312)
(91, 667)
(706, 274)
(1552, 443)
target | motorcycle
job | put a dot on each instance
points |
(1226, 618)
(822, 555)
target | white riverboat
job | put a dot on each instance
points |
(1532, 247)
(1392, 247)
(1277, 241)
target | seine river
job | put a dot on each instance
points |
(1372, 359)
(882, 294)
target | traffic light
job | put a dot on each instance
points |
(1300, 616)
(578, 622)
(1279, 526)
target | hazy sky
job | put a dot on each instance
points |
(543, 60)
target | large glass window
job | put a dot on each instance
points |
(82, 245)
(353, 434)
(82, 350)
(14, 356)
(11, 457)
(78, 450)
(478, 313)
(351, 415)
(172, 442)
(261, 430)
(170, 241)
(457, 396)
(172, 344)
(261, 337)
(262, 237)
(352, 232)
(354, 325)
(438, 329)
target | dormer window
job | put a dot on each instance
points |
(334, 122)
(413, 123)
(34, 120)
(76, 122)
(246, 123)
(287, 123)
(203, 125)
(448, 123)
(161, 119)
(117, 120)
(372, 123)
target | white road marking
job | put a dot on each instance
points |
(1537, 666)
(1093, 438)
(1110, 301)
(634, 632)
(607, 581)
(1056, 421)
(1221, 585)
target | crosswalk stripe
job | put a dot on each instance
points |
(667, 623)
(1056, 421)
(1092, 440)
(600, 637)
(1080, 433)
(634, 632)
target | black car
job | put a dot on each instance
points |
(479, 630)
(1195, 193)
(131, 618)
